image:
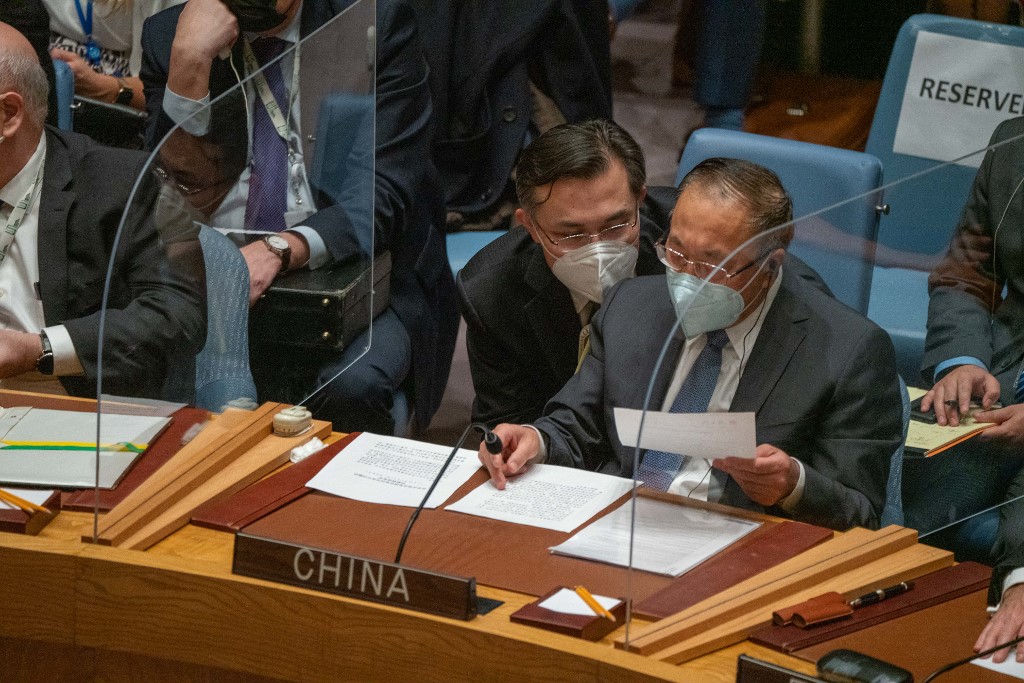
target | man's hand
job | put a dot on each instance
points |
(768, 478)
(960, 385)
(1009, 423)
(520, 445)
(264, 265)
(206, 29)
(18, 352)
(1006, 624)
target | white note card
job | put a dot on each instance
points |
(545, 496)
(1010, 666)
(701, 435)
(36, 496)
(393, 471)
(568, 601)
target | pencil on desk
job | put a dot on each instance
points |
(21, 503)
(593, 604)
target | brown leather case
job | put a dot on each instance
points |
(922, 641)
(19, 522)
(591, 627)
(159, 452)
(499, 554)
(929, 590)
(818, 610)
(263, 497)
(770, 545)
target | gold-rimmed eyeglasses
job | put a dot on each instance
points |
(678, 262)
(621, 232)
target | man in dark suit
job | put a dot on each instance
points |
(523, 323)
(820, 378)
(414, 338)
(974, 351)
(61, 199)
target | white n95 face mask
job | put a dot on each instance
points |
(590, 270)
(713, 307)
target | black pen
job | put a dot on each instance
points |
(881, 594)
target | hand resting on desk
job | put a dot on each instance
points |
(520, 446)
(1006, 624)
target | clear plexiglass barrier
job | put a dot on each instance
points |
(197, 309)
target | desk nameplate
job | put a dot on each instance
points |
(355, 577)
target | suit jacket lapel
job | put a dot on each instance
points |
(551, 313)
(781, 333)
(55, 201)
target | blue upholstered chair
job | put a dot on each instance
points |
(924, 211)
(64, 85)
(222, 367)
(462, 246)
(838, 243)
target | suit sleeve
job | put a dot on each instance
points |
(847, 464)
(963, 289)
(159, 276)
(573, 420)
(403, 169)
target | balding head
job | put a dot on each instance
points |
(21, 73)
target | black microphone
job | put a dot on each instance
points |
(494, 446)
(960, 662)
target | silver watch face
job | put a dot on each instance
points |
(277, 242)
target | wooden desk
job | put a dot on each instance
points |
(73, 611)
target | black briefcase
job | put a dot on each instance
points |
(323, 309)
(116, 125)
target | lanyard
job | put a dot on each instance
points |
(92, 50)
(281, 124)
(17, 216)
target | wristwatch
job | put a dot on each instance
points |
(279, 246)
(125, 94)
(44, 364)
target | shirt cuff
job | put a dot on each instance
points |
(65, 358)
(318, 254)
(542, 453)
(953, 362)
(193, 116)
(791, 501)
(1012, 579)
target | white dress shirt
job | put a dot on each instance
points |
(194, 117)
(21, 309)
(694, 478)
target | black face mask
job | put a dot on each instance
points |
(255, 16)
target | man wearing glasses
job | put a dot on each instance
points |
(755, 337)
(528, 297)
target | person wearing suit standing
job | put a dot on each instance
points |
(62, 198)
(974, 351)
(820, 378)
(414, 338)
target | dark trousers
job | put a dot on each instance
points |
(355, 389)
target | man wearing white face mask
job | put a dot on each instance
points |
(528, 297)
(820, 378)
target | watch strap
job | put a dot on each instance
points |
(44, 363)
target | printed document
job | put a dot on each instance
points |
(394, 471)
(546, 496)
(701, 435)
(668, 538)
(1009, 667)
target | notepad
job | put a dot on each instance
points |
(42, 447)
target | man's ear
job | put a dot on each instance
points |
(523, 218)
(12, 113)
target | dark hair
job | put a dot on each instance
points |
(577, 150)
(753, 186)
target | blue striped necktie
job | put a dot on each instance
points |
(1018, 393)
(659, 468)
(268, 174)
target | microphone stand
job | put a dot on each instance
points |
(494, 447)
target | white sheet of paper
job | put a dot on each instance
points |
(701, 435)
(1010, 667)
(668, 539)
(567, 601)
(37, 496)
(545, 496)
(394, 471)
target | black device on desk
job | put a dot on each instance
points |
(916, 414)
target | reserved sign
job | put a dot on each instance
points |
(958, 91)
(354, 577)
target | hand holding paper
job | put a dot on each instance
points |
(766, 479)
